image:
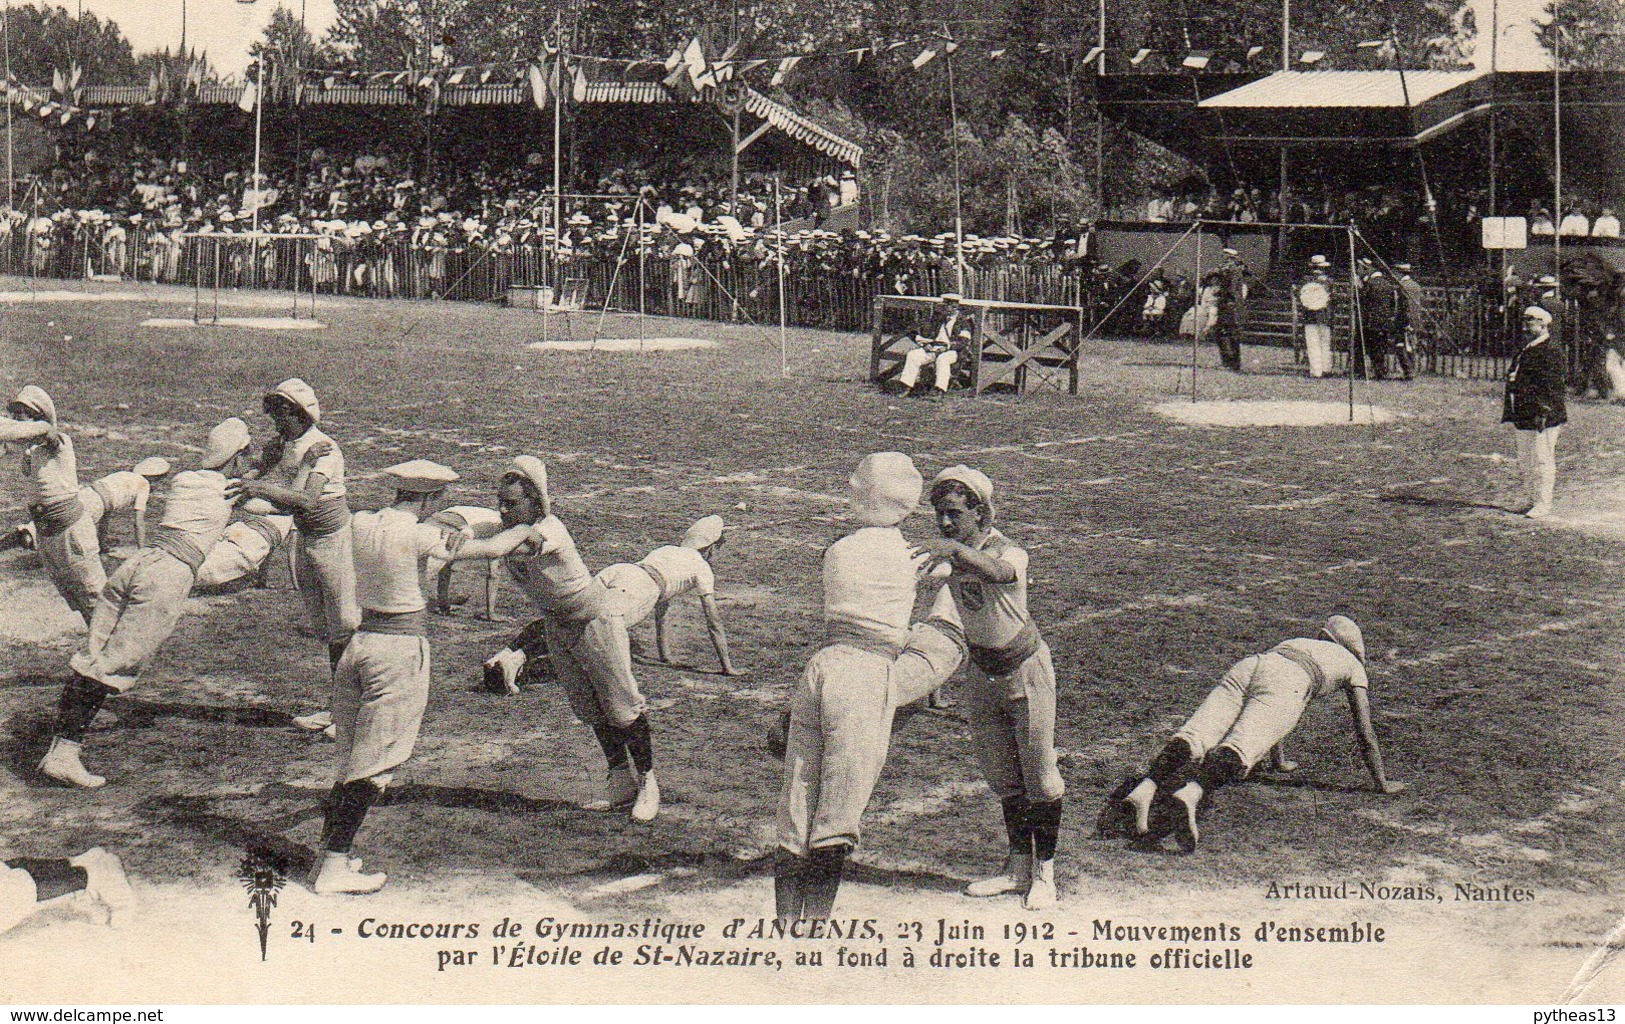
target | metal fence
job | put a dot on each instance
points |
(1466, 334)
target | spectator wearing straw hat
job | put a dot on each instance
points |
(1535, 406)
(1315, 299)
(938, 344)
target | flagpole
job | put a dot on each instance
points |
(11, 163)
(259, 120)
(778, 224)
(959, 217)
(557, 74)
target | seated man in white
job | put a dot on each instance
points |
(939, 344)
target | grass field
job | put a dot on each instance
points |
(1161, 553)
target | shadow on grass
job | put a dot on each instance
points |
(141, 714)
(1441, 501)
(473, 798)
(198, 814)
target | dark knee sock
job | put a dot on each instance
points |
(81, 699)
(1170, 766)
(613, 743)
(823, 881)
(532, 640)
(335, 651)
(52, 878)
(788, 877)
(1045, 821)
(346, 809)
(1219, 768)
(1015, 825)
(640, 745)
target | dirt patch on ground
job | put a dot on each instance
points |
(258, 323)
(1273, 414)
(624, 345)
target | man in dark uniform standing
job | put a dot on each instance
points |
(1411, 305)
(1380, 305)
(1232, 308)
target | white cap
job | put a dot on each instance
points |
(420, 476)
(1345, 631)
(152, 468)
(703, 533)
(1318, 260)
(34, 398)
(533, 469)
(302, 395)
(974, 479)
(885, 488)
(1540, 313)
(225, 442)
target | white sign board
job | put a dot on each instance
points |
(1506, 233)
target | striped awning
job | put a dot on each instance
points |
(1342, 89)
(385, 93)
(803, 129)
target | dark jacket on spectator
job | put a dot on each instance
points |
(1535, 388)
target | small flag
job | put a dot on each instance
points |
(751, 65)
(1312, 57)
(924, 58)
(950, 48)
(1197, 60)
(457, 77)
(1094, 51)
(485, 75)
(995, 54)
(786, 66)
(426, 81)
(578, 85)
(401, 76)
(59, 85)
(1253, 51)
(250, 97)
(539, 92)
(675, 59)
(90, 122)
(1139, 58)
(67, 115)
(699, 69)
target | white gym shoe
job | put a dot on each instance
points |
(319, 721)
(340, 874)
(1138, 804)
(502, 671)
(62, 763)
(1041, 894)
(105, 881)
(1183, 804)
(648, 802)
(623, 791)
(1017, 876)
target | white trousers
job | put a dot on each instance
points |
(1537, 462)
(916, 359)
(1616, 372)
(1317, 342)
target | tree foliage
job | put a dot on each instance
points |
(42, 39)
(1588, 35)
